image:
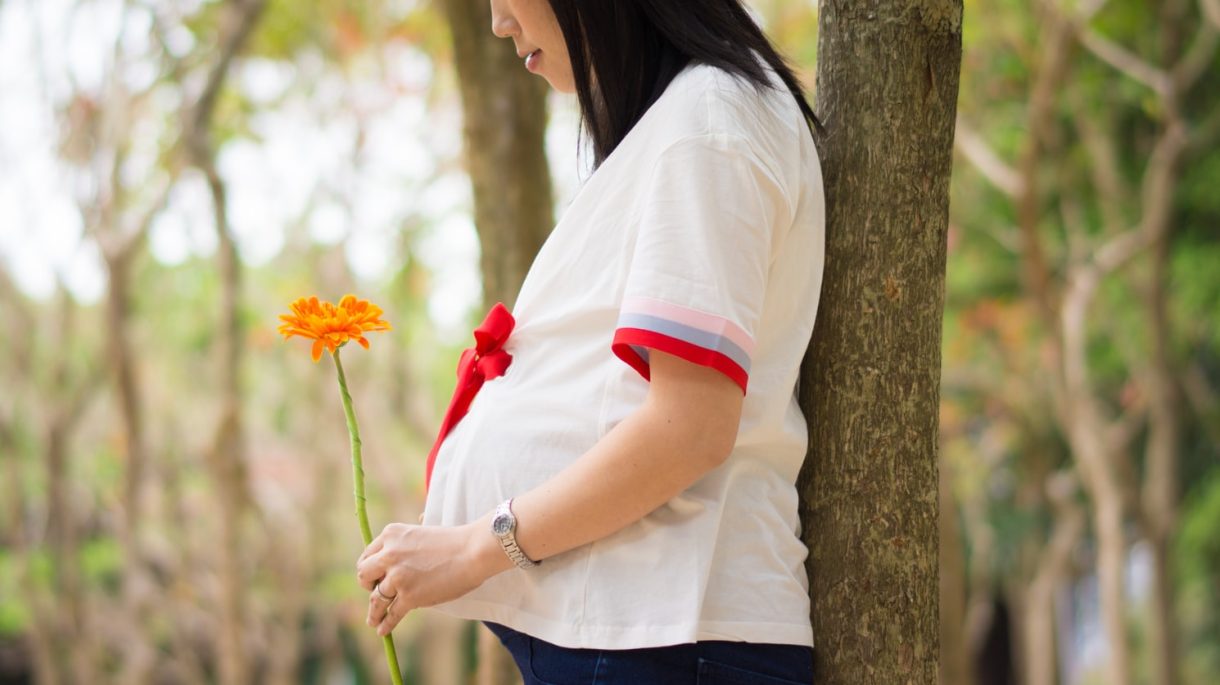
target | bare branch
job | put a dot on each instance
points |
(1205, 133)
(1156, 197)
(1160, 177)
(134, 236)
(1196, 61)
(1055, 39)
(1202, 398)
(1121, 432)
(1074, 228)
(1007, 237)
(1126, 61)
(1211, 10)
(989, 164)
(1104, 167)
(1119, 250)
(235, 29)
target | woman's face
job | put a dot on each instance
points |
(533, 27)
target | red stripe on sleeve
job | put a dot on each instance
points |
(625, 337)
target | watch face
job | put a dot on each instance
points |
(502, 524)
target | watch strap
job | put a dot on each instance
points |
(508, 540)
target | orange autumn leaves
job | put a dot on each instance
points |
(332, 326)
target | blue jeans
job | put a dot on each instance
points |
(707, 662)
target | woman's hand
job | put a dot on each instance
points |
(419, 566)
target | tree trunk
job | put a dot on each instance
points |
(954, 650)
(504, 111)
(1159, 498)
(138, 659)
(1051, 572)
(1160, 493)
(68, 397)
(870, 385)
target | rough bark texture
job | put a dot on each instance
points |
(504, 110)
(887, 86)
(505, 122)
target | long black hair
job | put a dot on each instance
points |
(633, 49)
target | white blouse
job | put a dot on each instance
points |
(701, 235)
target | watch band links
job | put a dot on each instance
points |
(509, 540)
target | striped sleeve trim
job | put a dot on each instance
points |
(696, 336)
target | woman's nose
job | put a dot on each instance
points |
(503, 25)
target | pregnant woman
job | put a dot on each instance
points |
(618, 504)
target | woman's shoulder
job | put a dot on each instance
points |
(709, 101)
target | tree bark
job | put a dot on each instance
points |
(505, 116)
(887, 92)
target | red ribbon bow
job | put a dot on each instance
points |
(485, 361)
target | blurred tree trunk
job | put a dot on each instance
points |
(68, 396)
(887, 84)
(57, 624)
(1052, 570)
(1160, 488)
(183, 664)
(504, 110)
(954, 650)
(120, 245)
(226, 458)
(1159, 499)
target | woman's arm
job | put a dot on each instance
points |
(686, 426)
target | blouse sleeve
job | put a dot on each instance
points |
(698, 272)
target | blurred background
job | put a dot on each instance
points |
(175, 485)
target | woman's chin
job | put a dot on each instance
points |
(567, 86)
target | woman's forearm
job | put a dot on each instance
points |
(644, 461)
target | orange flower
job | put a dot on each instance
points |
(331, 326)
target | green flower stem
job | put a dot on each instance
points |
(353, 431)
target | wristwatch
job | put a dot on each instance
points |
(504, 527)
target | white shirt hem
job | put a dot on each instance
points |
(586, 636)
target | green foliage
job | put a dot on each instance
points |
(1196, 302)
(14, 613)
(101, 563)
(1197, 557)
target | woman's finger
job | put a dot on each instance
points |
(370, 571)
(378, 604)
(372, 548)
(393, 614)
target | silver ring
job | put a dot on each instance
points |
(377, 588)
